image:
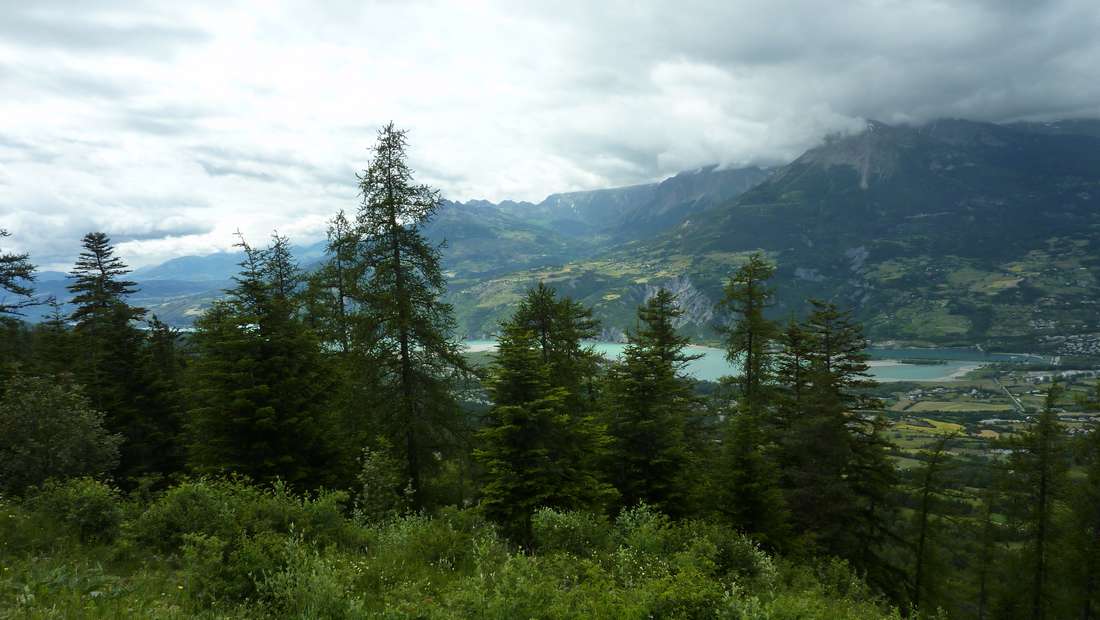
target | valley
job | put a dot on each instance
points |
(943, 234)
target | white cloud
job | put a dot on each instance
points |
(174, 125)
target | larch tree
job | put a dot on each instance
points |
(403, 326)
(749, 495)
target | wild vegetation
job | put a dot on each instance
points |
(319, 447)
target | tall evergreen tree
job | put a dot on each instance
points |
(331, 286)
(930, 491)
(403, 324)
(749, 495)
(839, 478)
(1038, 468)
(16, 278)
(528, 440)
(1083, 549)
(259, 384)
(749, 341)
(648, 401)
(109, 346)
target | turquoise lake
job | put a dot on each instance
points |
(885, 363)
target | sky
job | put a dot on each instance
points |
(172, 125)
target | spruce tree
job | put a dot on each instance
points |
(541, 406)
(929, 494)
(403, 327)
(16, 278)
(259, 383)
(521, 441)
(648, 401)
(109, 347)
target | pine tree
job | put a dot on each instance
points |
(331, 286)
(16, 278)
(403, 327)
(259, 384)
(561, 326)
(648, 401)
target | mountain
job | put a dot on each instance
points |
(949, 232)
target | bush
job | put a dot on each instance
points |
(645, 529)
(49, 430)
(89, 510)
(230, 509)
(580, 533)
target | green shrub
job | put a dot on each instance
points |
(85, 508)
(48, 429)
(579, 533)
(646, 529)
(230, 509)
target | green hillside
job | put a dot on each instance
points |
(951, 232)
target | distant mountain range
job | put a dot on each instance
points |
(950, 232)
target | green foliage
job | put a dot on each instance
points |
(541, 445)
(16, 278)
(579, 533)
(260, 385)
(88, 509)
(230, 509)
(49, 430)
(748, 341)
(648, 403)
(259, 557)
(384, 492)
(401, 326)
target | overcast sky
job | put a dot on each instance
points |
(171, 125)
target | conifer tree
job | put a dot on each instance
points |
(839, 476)
(1083, 549)
(541, 406)
(521, 441)
(16, 278)
(259, 384)
(109, 344)
(749, 341)
(931, 475)
(1039, 466)
(403, 326)
(648, 402)
(331, 286)
(749, 495)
